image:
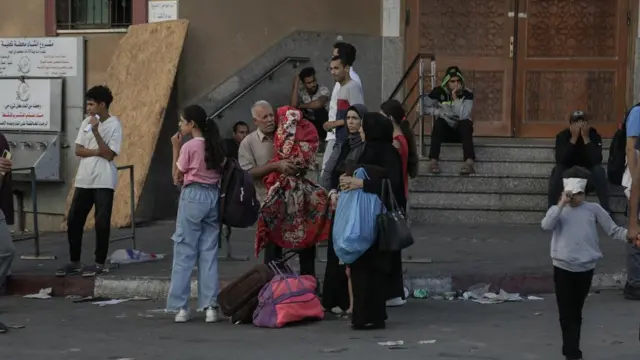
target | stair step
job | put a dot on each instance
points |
(463, 216)
(503, 202)
(492, 167)
(498, 152)
(481, 183)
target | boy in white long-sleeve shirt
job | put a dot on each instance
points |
(574, 252)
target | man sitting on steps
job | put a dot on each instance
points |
(451, 105)
(579, 145)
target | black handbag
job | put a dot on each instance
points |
(393, 230)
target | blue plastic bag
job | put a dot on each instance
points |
(354, 225)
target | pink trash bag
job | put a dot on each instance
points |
(286, 299)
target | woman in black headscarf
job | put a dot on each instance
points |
(335, 296)
(371, 272)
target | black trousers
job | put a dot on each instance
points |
(307, 258)
(83, 201)
(597, 180)
(572, 289)
(443, 133)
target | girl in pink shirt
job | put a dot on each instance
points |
(197, 166)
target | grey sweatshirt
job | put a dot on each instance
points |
(575, 244)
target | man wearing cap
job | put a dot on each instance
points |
(451, 104)
(579, 145)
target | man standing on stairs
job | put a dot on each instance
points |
(579, 145)
(451, 104)
(348, 52)
(632, 287)
(312, 99)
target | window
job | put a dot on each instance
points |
(93, 14)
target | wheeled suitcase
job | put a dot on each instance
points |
(241, 296)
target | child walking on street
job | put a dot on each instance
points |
(574, 251)
(196, 165)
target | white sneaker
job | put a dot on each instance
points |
(182, 316)
(396, 302)
(211, 315)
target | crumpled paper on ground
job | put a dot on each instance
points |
(42, 294)
(480, 293)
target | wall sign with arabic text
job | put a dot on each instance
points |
(26, 105)
(39, 57)
(163, 10)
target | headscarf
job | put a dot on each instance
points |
(378, 132)
(296, 212)
(356, 145)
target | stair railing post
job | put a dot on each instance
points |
(421, 76)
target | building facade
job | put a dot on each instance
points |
(228, 48)
(529, 62)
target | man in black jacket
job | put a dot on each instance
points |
(579, 145)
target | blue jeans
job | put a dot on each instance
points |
(196, 239)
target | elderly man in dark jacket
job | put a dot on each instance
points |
(579, 145)
(7, 250)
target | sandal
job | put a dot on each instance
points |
(434, 168)
(467, 169)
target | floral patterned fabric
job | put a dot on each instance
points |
(296, 212)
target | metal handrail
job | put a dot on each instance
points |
(264, 77)
(418, 61)
(415, 62)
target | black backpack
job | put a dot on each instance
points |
(617, 163)
(239, 205)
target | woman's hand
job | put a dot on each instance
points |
(176, 139)
(333, 197)
(178, 178)
(350, 183)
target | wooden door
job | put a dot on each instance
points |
(476, 36)
(571, 55)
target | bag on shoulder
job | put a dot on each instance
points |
(393, 230)
(239, 205)
(617, 162)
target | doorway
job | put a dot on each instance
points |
(531, 63)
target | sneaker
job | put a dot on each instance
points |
(69, 269)
(211, 315)
(396, 302)
(182, 316)
(91, 271)
(3, 328)
(631, 292)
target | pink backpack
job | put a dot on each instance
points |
(286, 299)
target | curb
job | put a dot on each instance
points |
(525, 283)
(157, 287)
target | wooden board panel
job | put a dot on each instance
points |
(571, 55)
(141, 76)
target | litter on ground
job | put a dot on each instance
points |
(42, 294)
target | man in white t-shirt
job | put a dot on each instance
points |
(98, 143)
(349, 51)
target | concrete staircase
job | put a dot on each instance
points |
(509, 187)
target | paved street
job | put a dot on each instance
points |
(59, 329)
(471, 249)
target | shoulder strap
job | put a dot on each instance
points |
(624, 122)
